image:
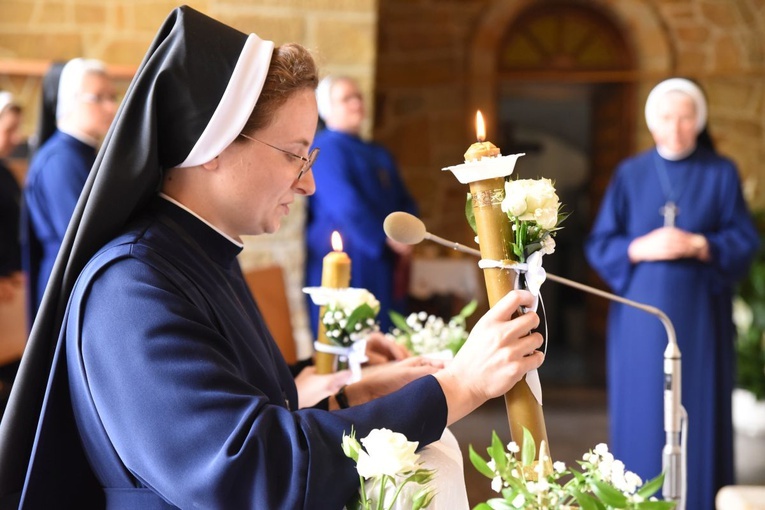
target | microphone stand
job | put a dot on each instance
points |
(673, 455)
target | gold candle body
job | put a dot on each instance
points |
(494, 233)
(335, 274)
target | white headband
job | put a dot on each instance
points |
(684, 86)
(324, 96)
(237, 103)
(6, 100)
(70, 83)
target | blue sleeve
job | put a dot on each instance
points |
(166, 387)
(402, 200)
(734, 244)
(607, 245)
(59, 188)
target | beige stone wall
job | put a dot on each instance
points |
(340, 33)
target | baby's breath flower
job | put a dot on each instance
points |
(530, 488)
(519, 501)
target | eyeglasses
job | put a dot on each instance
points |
(98, 98)
(307, 162)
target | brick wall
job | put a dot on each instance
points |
(340, 33)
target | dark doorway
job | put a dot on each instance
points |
(565, 100)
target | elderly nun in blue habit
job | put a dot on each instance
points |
(150, 380)
(674, 232)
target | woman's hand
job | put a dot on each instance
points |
(497, 354)
(379, 380)
(382, 349)
(668, 243)
(313, 388)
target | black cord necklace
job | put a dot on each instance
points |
(669, 210)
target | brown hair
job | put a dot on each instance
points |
(292, 69)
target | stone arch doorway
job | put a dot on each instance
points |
(563, 79)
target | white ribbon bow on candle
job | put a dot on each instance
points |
(535, 277)
(355, 354)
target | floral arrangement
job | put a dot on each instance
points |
(602, 483)
(535, 212)
(386, 464)
(350, 315)
(425, 334)
(534, 209)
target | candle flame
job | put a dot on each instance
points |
(480, 127)
(337, 241)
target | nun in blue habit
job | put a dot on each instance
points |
(357, 186)
(150, 379)
(85, 107)
(674, 232)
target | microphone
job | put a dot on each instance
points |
(408, 229)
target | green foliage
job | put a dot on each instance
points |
(750, 344)
(424, 334)
(600, 484)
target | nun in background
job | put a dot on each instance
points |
(12, 327)
(674, 232)
(358, 185)
(166, 389)
(85, 107)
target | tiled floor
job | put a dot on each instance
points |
(575, 417)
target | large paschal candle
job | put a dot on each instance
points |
(485, 170)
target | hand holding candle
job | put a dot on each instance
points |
(335, 274)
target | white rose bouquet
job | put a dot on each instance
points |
(389, 462)
(535, 210)
(425, 334)
(602, 483)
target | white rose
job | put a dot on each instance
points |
(514, 202)
(387, 453)
(546, 218)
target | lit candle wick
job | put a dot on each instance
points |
(481, 149)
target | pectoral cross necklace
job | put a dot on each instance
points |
(669, 210)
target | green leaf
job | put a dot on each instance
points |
(587, 502)
(480, 464)
(360, 314)
(482, 506)
(497, 452)
(399, 321)
(608, 494)
(499, 504)
(470, 214)
(529, 449)
(651, 486)
(468, 309)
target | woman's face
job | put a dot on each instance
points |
(10, 121)
(347, 112)
(257, 183)
(97, 105)
(675, 127)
